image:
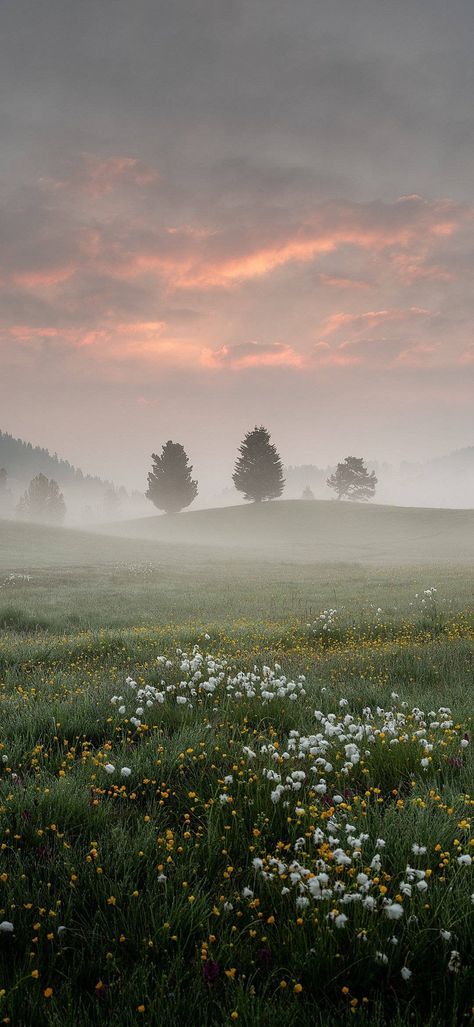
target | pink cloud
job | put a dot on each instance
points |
(44, 278)
(416, 356)
(98, 176)
(339, 282)
(252, 354)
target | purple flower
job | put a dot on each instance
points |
(210, 970)
(264, 956)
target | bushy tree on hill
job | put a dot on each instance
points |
(170, 486)
(351, 480)
(42, 501)
(307, 493)
(258, 471)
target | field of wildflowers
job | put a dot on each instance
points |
(259, 823)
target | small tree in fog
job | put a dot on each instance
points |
(42, 501)
(5, 494)
(112, 502)
(258, 470)
(351, 480)
(307, 493)
(170, 486)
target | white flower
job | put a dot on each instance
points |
(341, 920)
(454, 962)
(125, 771)
(418, 850)
(445, 935)
(109, 768)
(6, 927)
(302, 902)
(425, 762)
(465, 860)
(394, 911)
(405, 973)
(161, 878)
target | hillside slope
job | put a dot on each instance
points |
(317, 531)
(25, 547)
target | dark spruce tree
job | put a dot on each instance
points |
(170, 486)
(258, 470)
(351, 480)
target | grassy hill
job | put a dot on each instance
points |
(267, 563)
(318, 531)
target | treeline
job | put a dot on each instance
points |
(27, 472)
(258, 475)
(23, 461)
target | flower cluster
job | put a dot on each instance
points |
(202, 677)
(343, 747)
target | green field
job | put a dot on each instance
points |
(286, 845)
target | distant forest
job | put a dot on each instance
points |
(88, 497)
(22, 461)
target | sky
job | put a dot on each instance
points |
(222, 213)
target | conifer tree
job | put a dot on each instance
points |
(170, 486)
(42, 501)
(258, 471)
(5, 494)
(352, 480)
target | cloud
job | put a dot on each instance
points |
(253, 354)
(98, 176)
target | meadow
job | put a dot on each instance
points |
(233, 788)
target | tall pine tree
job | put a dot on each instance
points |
(170, 486)
(258, 470)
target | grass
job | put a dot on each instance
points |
(321, 530)
(160, 895)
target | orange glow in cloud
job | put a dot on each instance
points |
(96, 176)
(337, 282)
(191, 266)
(277, 356)
(416, 356)
(43, 279)
(370, 319)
